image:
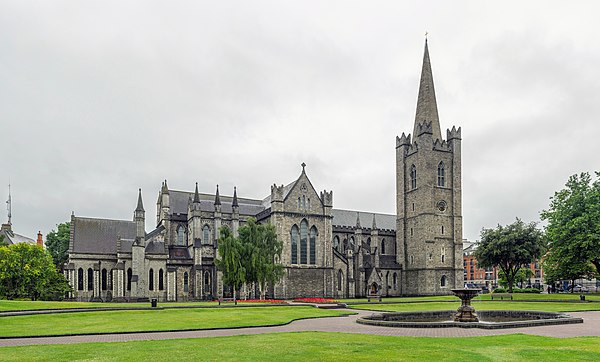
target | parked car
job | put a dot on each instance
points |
(579, 289)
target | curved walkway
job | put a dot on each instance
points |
(348, 324)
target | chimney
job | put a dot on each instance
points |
(40, 242)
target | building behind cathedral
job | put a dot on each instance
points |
(327, 252)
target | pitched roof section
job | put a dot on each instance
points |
(426, 102)
(179, 203)
(14, 238)
(348, 218)
(99, 236)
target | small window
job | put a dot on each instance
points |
(186, 281)
(295, 237)
(443, 281)
(151, 279)
(395, 281)
(129, 276)
(104, 279)
(442, 229)
(336, 243)
(441, 174)
(382, 246)
(161, 280)
(80, 279)
(339, 280)
(411, 231)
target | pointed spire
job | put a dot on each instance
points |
(140, 205)
(358, 220)
(235, 200)
(196, 195)
(426, 102)
(374, 223)
(217, 198)
(164, 188)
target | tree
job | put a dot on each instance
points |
(262, 251)
(509, 248)
(573, 229)
(28, 271)
(230, 260)
(2, 242)
(522, 276)
(57, 244)
(572, 267)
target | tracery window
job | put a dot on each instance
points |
(313, 245)
(295, 238)
(441, 174)
(413, 177)
(303, 241)
(206, 235)
(180, 235)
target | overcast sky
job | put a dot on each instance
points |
(99, 98)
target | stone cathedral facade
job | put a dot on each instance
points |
(327, 252)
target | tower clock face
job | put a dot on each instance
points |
(441, 205)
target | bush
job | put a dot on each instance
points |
(499, 290)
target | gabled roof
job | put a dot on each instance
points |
(99, 236)
(14, 238)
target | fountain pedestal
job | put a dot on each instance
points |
(466, 312)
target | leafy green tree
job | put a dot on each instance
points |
(263, 250)
(573, 229)
(572, 267)
(57, 244)
(230, 260)
(522, 276)
(28, 271)
(2, 242)
(509, 248)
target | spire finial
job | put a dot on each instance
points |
(426, 103)
(217, 198)
(196, 195)
(303, 166)
(426, 33)
(140, 205)
(358, 220)
(235, 200)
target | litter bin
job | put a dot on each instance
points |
(582, 297)
(154, 302)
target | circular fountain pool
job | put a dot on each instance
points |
(488, 319)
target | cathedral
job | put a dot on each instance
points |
(327, 252)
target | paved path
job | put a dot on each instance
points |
(590, 327)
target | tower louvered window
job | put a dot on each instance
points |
(295, 237)
(441, 174)
(413, 177)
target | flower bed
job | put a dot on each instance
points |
(315, 300)
(272, 301)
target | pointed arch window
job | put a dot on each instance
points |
(129, 277)
(180, 235)
(295, 236)
(90, 281)
(206, 235)
(336, 243)
(441, 174)
(382, 246)
(395, 281)
(206, 281)
(303, 241)
(104, 279)
(339, 280)
(80, 279)
(186, 281)
(443, 281)
(313, 245)
(413, 177)
(161, 279)
(151, 279)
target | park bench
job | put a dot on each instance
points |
(225, 300)
(373, 296)
(502, 296)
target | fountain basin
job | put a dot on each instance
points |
(488, 319)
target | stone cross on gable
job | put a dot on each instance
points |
(303, 165)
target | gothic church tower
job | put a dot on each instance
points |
(428, 199)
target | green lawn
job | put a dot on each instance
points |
(481, 305)
(312, 346)
(155, 320)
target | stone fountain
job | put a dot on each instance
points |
(466, 312)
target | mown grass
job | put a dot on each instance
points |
(312, 346)
(481, 305)
(155, 320)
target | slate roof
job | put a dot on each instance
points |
(179, 203)
(99, 236)
(266, 202)
(347, 218)
(14, 238)
(388, 262)
(155, 247)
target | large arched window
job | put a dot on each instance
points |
(186, 281)
(441, 174)
(303, 241)
(129, 277)
(180, 235)
(206, 235)
(151, 279)
(313, 245)
(104, 279)
(413, 177)
(339, 280)
(206, 282)
(295, 236)
(382, 246)
(443, 281)
(90, 279)
(80, 279)
(161, 279)
(336, 243)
